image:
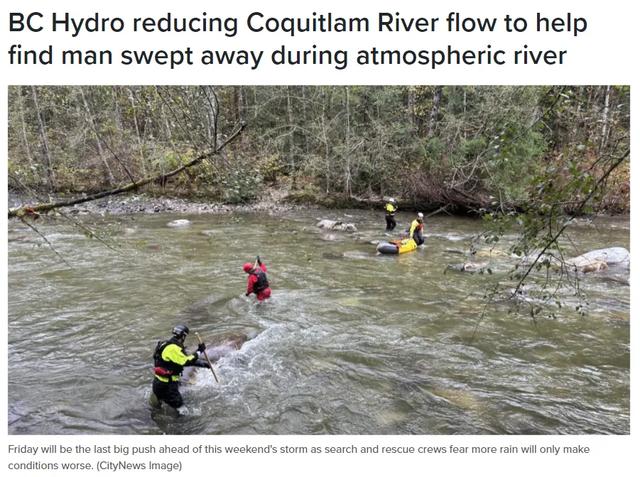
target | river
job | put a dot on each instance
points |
(350, 343)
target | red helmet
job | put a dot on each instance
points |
(247, 267)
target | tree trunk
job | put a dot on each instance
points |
(43, 138)
(290, 144)
(433, 117)
(305, 119)
(237, 104)
(212, 111)
(27, 210)
(166, 124)
(347, 148)
(411, 106)
(238, 110)
(108, 175)
(117, 114)
(605, 119)
(134, 109)
(23, 128)
(325, 140)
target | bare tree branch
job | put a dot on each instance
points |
(33, 227)
(555, 237)
(37, 208)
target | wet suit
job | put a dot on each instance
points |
(390, 212)
(169, 361)
(258, 283)
(415, 232)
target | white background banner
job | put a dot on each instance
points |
(328, 42)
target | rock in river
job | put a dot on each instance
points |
(469, 267)
(601, 259)
(179, 223)
(336, 225)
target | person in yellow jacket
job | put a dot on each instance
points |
(170, 357)
(416, 229)
(390, 211)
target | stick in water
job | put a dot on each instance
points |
(207, 358)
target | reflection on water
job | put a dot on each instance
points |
(350, 343)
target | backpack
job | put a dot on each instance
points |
(262, 283)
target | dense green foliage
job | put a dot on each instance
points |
(470, 147)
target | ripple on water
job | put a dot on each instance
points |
(350, 343)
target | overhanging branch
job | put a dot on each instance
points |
(557, 235)
(134, 185)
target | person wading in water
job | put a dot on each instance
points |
(390, 211)
(257, 281)
(416, 229)
(170, 357)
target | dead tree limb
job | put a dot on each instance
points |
(34, 228)
(572, 216)
(134, 185)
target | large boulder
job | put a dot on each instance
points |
(218, 349)
(601, 259)
(336, 225)
(229, 344)
(594, 261)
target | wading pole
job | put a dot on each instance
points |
(208, 361)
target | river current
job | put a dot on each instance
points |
(350, 343)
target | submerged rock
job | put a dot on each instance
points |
(596, 266)
(594, 261)
(469, 267)
(454, 251)
(219, 348)
(179, 223)
(601, 259)
(356, 255)
(329, 237)
(336, 225)
(491, 253)
(228, 344)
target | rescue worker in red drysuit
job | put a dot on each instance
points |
(257, 281)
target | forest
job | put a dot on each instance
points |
(467, 149)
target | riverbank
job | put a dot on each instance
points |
(145, 203)
(272, 201)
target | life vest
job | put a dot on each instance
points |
(391, 209)
(415, 226)
(261, 283)
(163, 368)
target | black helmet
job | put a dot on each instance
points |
(181, 331)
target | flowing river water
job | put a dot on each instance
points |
(350, 343)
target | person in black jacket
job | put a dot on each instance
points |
(170, 357)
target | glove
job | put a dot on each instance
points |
(201, 364)
(202, 347)
(258, 260)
